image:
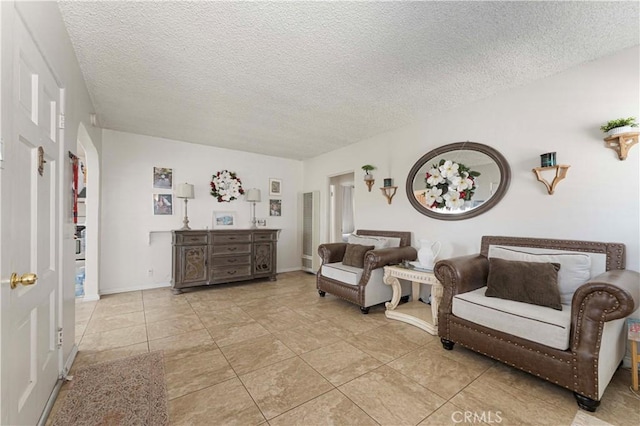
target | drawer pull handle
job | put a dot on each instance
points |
(232, 260)
(231, 272)
(232, 248)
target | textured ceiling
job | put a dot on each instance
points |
(297, 79)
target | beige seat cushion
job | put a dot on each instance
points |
(343, 273)
(539, 324)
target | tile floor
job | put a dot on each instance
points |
(276, 353)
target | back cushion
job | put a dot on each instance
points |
(367, 240)
(575, 268)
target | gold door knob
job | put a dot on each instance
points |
(25, 279)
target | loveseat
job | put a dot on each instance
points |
(353, 270)
(579, 346)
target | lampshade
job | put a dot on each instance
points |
(253, 194)
(184, 190)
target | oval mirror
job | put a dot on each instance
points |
(458, 181)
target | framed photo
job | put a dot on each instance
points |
(162, 178)
(162, 204)
(275, 207)
(275, 187)
(224, 220)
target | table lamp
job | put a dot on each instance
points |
(185, 190)
(253, 196)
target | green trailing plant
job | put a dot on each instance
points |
(367, 168)
(620, 122)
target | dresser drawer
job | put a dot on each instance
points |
(230, 273)
(231, 249)
(264, 236)
(192, 238)
(231, 238)
(244, 259)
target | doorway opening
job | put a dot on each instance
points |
(341, 207)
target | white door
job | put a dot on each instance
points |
(29, 232)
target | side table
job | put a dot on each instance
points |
(414, 312)
(633, 327)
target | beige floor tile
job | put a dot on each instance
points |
(618, 405)
(282, 319)
(436, 372)
(225, 335)
(226, 403)
(113, 338)
(383, 343)
(258, 308)
(159, 302)
(84, 310)
(80, 328)
(182, 324)
(306, 338)
(391, 398)
(224, 317)
(412, 333)
(256, 353)
(120, 298)
(168, 313)
(190, 374)
(85, 358)
(340, 362)
(514, 406)
(204, 307)
(331, 408)
(356, 324)
(106, 323)
(450, 415)
(183, 345)
(163, 293)
(123, 308)
(283, 386)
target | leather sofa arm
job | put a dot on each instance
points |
(460, 275)
(607, 297)
(375, 259)
(332, 252)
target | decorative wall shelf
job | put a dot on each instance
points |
(389, 192)
(369, 183)
(561, 173)
(621, 143)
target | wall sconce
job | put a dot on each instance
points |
(389, 190)
(368, 178)
(253, 196)
(548, 162)
(185, 190)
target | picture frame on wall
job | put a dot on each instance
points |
(275, 186)
(162, 177)
(275, 207)
(162, 204)
(224, 220)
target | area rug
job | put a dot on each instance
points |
(129, 391)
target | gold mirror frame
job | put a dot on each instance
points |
(500, 161)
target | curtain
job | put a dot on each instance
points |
(347, 210)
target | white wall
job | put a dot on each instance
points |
(128, 251)
(597, 201)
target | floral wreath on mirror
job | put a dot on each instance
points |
(226, 186)
(449, 185)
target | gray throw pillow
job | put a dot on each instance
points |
(354, 255)
(529, 282)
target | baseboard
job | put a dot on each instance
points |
(138, 288)
(91, 298)
(297, 268)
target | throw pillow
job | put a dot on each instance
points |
(529, 282)
(575, 268)
(354, 255)
(365, 240)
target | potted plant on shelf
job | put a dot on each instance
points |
(368, 178)
(618, 126)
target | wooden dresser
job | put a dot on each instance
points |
(222, 256)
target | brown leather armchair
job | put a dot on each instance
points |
(597, 333)
(363, 287)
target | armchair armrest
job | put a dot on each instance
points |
(460, 275)
(332, 252)
(374, 259)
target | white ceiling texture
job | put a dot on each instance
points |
(298, 79)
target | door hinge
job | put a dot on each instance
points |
(1, 153)
(61, 121)
(59, 337)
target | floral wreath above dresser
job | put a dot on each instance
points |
(226, 186)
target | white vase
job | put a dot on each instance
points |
(619, 130)
(428, 252)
